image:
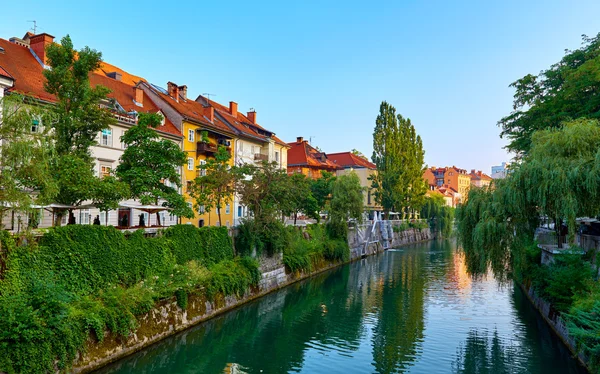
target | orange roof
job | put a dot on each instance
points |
(349, 159)
(241, 123)
(303, 154)
(29, 80)
(106, 68)
(25, 70)
(192, 110)
(479, 175)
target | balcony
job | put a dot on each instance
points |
(260, 157)
(206, 148)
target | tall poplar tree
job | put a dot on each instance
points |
(398, 154)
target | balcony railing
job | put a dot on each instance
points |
(206, 148)
(260, 157)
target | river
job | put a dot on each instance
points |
(414, 309)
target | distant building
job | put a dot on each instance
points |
(364, 169)
(480, 179)
(500, 171)
(306, 159)
(452, 177)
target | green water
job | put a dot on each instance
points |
(411, 310)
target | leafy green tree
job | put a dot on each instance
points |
(438, 214)
(215, 186)
(76, 180)
(25, 172)
(148, 162)
(108, 193)
(565, 91)
(398, 153)
(79, 112)
(321, 189)
(346, 199)
(299, 198)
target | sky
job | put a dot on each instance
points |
(320, 69)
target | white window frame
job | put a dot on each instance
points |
(190, 163)
(106, 137)
(84, 216)
(191, 135)
(202, 171)
(104, 217)
(123, 145)
(102, 173)
(227, 209)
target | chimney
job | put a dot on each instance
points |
(252, 116)
(299, 139)
(183, 91)
(115, 75)
(472, 171)
(210, 113)
(39, 43)
(233, 108)
(138, 95)
(173, 91)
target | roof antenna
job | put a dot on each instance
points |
(208, 95)
(310, 138)
(34, 28)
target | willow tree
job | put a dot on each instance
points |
(398, 154)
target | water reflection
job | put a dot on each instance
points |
(414, 310)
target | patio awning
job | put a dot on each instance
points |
(145, 208)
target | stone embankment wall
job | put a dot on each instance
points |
(167, 318)
(556, 323)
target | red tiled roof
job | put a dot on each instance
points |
(303, 154)
(4, 73)
(29, 80)
(194, 111)
(241, 123)
(124, 94)
(348, 159)
(25, 70)
(480, 175)
(130, 79)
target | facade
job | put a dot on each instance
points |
(203, 132)
(304, 158)
(24, 60)
(480, 179)
(455, 178)
(364, 169)
(500, 171)
(253, 144)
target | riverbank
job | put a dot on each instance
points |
(556, 323)
(167, 318)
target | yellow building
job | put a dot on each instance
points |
(202, 133)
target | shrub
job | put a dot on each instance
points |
(559, 282)
(208, 245)
(232, 277)
(247, 238)
(336, 250)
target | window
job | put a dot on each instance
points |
(253, 150)
(191, 135)
(369, 197)
(241, 147)
(104, 218)
(163, 217)
(276, 157)
(190, 163)
(35, 125)
(189, 186)
(201, 209)
(106, 137)
(84, 217)
(201, 223)
(105, 170)
(239, 211)
(227, 209)
(202, 171)
(172, 218)
(123, 145)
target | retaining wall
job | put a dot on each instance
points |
(167, 318)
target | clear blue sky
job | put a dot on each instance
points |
(321, 69)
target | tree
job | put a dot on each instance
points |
(347, 201)
(215, 186)
(80, 115)
(358, 153)
(299, 198)
(147, 163)
(398, 154)
(321, 189)
(565, 91)
(439, 215)
(108, 193)
(25, 173)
